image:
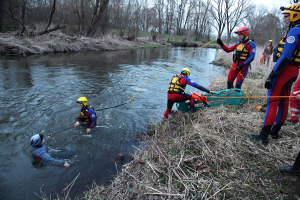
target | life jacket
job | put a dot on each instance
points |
(173, 85)
(295, 59)
(269, 49)
(241, 52)
(84, 112)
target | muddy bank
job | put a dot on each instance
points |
(208, 154)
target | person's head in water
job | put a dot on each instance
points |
(243, 33)
(82, 102)
(37, 140)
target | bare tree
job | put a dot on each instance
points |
(235, 13)
(180, 16)
(23, 12)
(169, 16)
(218, 11)
(201, 18)
(264, 25)
(14, 5)
(99, 9)
(1, 14)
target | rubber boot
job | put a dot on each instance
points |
(192, 108)
(274, 131)
(263, 136)
(229, 85)
(238, 86)
(289, 169)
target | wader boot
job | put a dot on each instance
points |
(192, 108)
(263, 136)
(274, 131)
(295, 169)
(229, 85)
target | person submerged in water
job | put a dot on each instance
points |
(39, 150)
(87, 115)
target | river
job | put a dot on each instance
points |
(39, 93)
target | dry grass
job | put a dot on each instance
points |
(59, 42)
(207, 155)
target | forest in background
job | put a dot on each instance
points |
(199, 19)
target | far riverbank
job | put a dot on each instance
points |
(60, 43)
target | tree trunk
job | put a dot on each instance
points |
(97, 17)
(23, 12)
(1, 15)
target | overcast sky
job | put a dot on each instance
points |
(272, 3)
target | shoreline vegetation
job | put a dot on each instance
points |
(58, 42)
(208, 155)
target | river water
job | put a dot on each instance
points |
(39, 93)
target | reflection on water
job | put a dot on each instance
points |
(39, 93)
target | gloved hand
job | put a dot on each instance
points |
(219, 41)
(269, 81)
(239, 68)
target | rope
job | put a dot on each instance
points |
(156, 77)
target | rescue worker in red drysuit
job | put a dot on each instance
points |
(268, 52)
(175, 94)
(244, 55)
(283, 75)
(295, 104)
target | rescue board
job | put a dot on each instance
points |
(218, 98)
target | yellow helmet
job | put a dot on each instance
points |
(186, 71)
(82, 100)
(293, 10)
(271, 41)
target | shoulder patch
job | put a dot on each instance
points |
(254, 50)
(290, 39)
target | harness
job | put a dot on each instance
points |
(83, 114)
(295, 59)
(241, 52)
(174, 83)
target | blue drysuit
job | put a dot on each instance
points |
(40, 151)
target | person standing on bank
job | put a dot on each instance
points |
(244, 55)
(283, 75)
(176, 94)
(87, 115)
(268, 52)
(39, 150)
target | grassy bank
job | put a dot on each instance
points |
(208, 155)
(57, 42)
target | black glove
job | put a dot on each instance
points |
(269, 81)
(219, 41)
(240, 67)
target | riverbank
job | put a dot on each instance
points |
(208, 154)
(58, 42)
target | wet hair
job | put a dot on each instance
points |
(41, 136)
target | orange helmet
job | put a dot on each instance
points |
(243, 30)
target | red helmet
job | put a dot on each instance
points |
(243, 30)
